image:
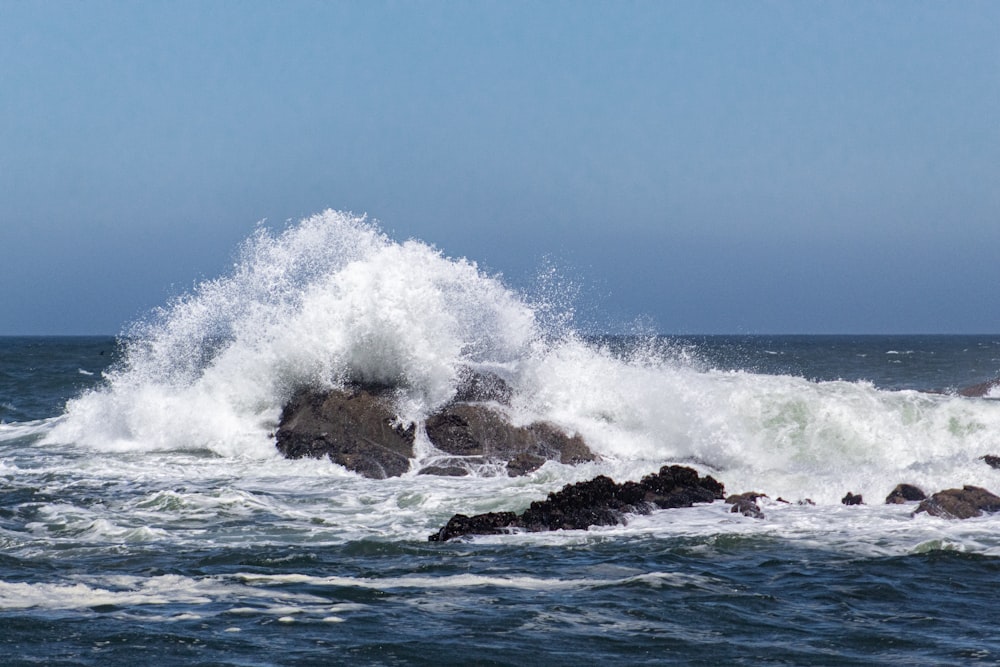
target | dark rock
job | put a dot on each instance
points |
(752, 496)
(492, 523)
(904, 493)
(979, 390)
(452, 466)
(444, 471)
(464, 429)
(991, 460)
(851, 499)
(356, 428)
(524, 463)
(746, 504)
(964, 503)
(475, 386)
(596, 502)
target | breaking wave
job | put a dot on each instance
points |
(332, 300)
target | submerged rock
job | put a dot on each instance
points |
(904, 493)
(746, 504)
(964, 503)
(596, 502)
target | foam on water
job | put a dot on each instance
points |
(332, 300)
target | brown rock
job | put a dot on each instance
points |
(964, 503)
(464, 429)
(904, 493)
(475, 386)
(356, 428)
(979, 390)
(746, 504)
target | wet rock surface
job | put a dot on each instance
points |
(904, 493)
(746, 504)
(476, 386)
(852, 499)
(597, 502)
(357, 427)
(979, 390)
(992, 460)
(465, 429)
(964, 503)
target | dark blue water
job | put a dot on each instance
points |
(131, 556)
(738, 602)
(38, 374)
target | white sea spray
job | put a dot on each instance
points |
(331, 300)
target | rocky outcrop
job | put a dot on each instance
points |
(356, 428)
(964, 503)
(904, 493)
(746, 504)
(464, 429)
(597, 502)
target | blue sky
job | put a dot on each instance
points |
(700, 167)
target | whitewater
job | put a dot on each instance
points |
(143, 505)
(333, 301)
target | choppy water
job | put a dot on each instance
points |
(144, 513)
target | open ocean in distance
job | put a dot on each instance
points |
(146, 517)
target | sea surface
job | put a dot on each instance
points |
(146, 517)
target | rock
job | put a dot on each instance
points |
(492, 523)
(979, 390)
(746, 504)
(465, 429)
(851, 499)
(752, 496)
(904, 493)
(578, 506)
(991, 460)
(596, 502)
(475, 386)
(356, 428)
(964, 503)
(446, 470)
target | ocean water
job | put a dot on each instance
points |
(146, 516)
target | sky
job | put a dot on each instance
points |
(693, 167)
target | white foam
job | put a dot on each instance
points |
(326, 301)
(332, 299)
(466, 581)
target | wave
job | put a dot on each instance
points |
(328, 301)
(333, 300)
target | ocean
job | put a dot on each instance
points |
(146, 516)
